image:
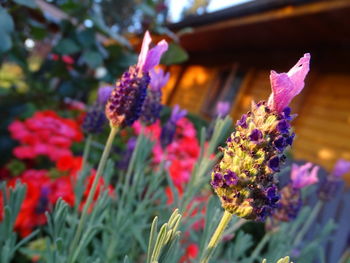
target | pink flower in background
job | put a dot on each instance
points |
(304, 175)
(341, 167)
(285, 86)
(191, 253)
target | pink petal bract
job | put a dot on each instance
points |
(285, 86)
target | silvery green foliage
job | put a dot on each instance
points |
(8, 238)
(161, 246)
(282, 260)
(118, 228)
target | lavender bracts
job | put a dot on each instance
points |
(244, 179)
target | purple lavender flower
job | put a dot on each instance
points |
(152, 106)
(304, 175)
(341, 167)
(243, 121)
(289, 205)
(255, 150)
(169, 129)
(125, 103)
(103, 94)
(222, 108)
(95, 118)
(334, 181)
(285, 86)
(291, 202)
(127, 153)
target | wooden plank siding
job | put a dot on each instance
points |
(191, 90)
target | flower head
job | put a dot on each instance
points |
(304, 175)
(103, 94)
(334, 181)
(222, 108)
(125, 103)
(285, 86)
(245, 179)
(169, 129)
(95, 118)
(341, 167)
(152, 106)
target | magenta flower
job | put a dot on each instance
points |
(304, 175)
(150, 58)
(341, 167)
(285, 86)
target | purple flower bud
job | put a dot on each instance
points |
(341, 167)
(255, 136)
(290, 139)
(231, 178)
(280, 143)
(217, 180)
(283, 126)
(103, 94)
(94, 120)
(222, 108)
(274, 163)
(152, 106)
(242, 122)
(169, 129)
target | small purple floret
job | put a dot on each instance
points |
(274, 163)
(280, 143)
(256, 135)
(243, 121)
(231, 178)
(283, 126)
(217, 180)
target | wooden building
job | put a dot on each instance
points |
(232, 52)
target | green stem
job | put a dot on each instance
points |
(216, 237)
(89, 200)
(259, 247)
(86, 152)
(308, 223)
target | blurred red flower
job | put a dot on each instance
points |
(45, 133)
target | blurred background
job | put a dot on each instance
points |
(59, 50)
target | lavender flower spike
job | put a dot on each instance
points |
(285, 86)
(103, 94)
(341, 167)
(255, 151)
(222, 108)
(95, 118)
(152, 106)
(168, 131)
(302, 176)
(125, 103)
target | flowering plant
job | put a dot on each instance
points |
(85, 214)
